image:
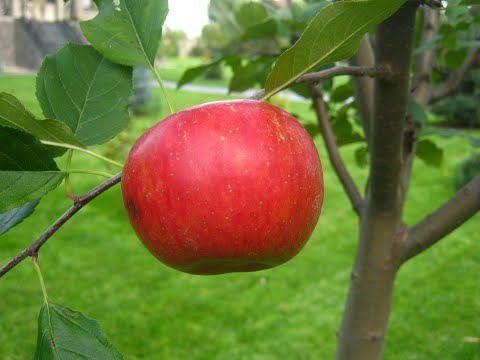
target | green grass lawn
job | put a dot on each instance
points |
(96, 265)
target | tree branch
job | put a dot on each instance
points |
(463, 205)
(453, 81)
(78, 204)
(332, 148)
(424, 62)
(363, 86)
(335, 71)
(421, 92)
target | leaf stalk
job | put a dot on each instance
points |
(162, 87)
(86, 151)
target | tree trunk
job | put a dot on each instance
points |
(365, 320)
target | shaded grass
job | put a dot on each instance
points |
(96, 265)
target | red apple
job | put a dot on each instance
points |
(223, 187)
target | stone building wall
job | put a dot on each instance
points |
(7, 41)
(27, 53)
(24, 43)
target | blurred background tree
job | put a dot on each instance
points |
(172, 42)
(248, 36)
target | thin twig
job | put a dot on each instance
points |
(453, 81)
(333, 153)
(80, 202)
(462, 206)
(335, 71)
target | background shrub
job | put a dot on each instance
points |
(467, 170)
(462, 109)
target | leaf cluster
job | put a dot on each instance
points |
(84, 92)
(248, 37)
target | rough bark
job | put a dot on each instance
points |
(364, 325)
(365, 319)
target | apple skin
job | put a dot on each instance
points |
(224, 187)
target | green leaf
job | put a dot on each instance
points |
(27, 170)
(342, 92)
(469, 43)
(448, 133)
(432, 44)
(15, 216)
(89, 93)
(454, 58)
(264, 66)
(251, 13)
(361, 156)
(430, 153)
(128, 34)
(312, 129)
(265, 29)
(13, 114)
(233, 61)
(342, 128)
(334, 34)
(68, 334)
(20, 187)
(21, 151)
(243, 78)
(246, 76)
(417, 113)
(302, 89)
(470, 2)
(193, 73)
(449, 36)
(189, 75)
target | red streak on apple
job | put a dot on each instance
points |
(223, 187)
